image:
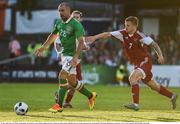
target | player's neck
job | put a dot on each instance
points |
(65, 19)
(132, 32)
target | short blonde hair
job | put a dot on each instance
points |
(133, 19)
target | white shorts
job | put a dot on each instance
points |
(66, 65)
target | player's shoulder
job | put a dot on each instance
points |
(119, 31)
(123, 32)
(141, 34)
(74, 21)
(58, 21)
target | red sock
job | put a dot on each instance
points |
(163, 91)
(70, 95)
(135, 93)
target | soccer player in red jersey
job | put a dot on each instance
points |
(135, 46)
(77, 15)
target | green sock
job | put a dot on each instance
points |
(83, 90)
(62, 91)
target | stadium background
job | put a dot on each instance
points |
(30, 22)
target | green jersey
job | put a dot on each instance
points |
(68, 33)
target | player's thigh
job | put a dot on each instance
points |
(72, 80)
(78, 71)
(135, 75)
(146, 70)
(66, 63)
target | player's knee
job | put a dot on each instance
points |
(132, 80)
(152, 88)
(155, 87)
(71, 83)
(62, 75)
(71, 91)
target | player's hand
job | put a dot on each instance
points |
(86, 48)
(73, 62)
(39, 52)
(160, 59)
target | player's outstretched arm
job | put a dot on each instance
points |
(158, 51)
(99, 36)
(51, 38)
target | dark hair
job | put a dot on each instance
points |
(65, 4)
(133, 19)
(78, 12)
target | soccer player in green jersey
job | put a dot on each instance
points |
(57, 44)
(68, 29)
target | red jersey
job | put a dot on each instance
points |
(135, 45)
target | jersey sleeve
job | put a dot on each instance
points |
(147, 40)
(79, 30)
(117, 34)
(55, 29)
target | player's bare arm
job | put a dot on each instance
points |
(99, 36)
(51, 38)
(78, 51)
(158, 51)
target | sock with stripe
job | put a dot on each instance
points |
(81, 88)
(135, 93)
(62, 91)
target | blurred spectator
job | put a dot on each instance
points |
(122, 75)
(31, 48)
(15, 48)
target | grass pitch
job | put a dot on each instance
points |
(108, 106)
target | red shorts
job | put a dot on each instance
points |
(145, 67)
(78, 71)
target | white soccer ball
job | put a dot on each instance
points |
(21, 108)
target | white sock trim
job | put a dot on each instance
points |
(137, 105)
(78, 85)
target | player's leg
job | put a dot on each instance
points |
(81, 88)
(69, 97)
(63, 85)
(78, 85)
(163, 91)
(61, 92)
(71, 91)
(133, 79)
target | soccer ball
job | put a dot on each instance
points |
(21, 108)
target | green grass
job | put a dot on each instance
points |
(108, 108)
